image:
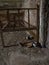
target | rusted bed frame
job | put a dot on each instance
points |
(30, 27)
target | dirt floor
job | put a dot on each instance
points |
(19, 55)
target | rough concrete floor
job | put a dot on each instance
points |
(24, 56)
(21, 55)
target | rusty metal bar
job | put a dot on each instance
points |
(19, 29)
(19, 16)
(14, 8)
(14, 21)
(8, 16)
(28, 19)
(37, 23)
(1, 32)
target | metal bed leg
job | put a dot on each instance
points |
(1, 34)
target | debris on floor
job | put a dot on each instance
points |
(30, 43)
